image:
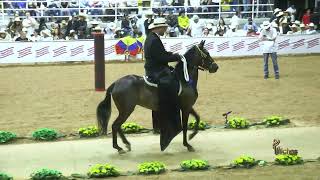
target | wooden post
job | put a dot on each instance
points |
(99, 66)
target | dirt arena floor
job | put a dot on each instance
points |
(63, 96)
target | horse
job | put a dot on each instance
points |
(132, 90)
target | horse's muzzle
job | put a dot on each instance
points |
(213, 68)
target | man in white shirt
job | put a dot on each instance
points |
(195, 27)
(235, 20)
(292, 10)
(268, 37)
(30, 24)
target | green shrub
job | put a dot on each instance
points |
(4, 176)
(91, 131)
(194, 164)
(131, 127)
(273, 120)
(103, 170)
(49, 174)
(46, 134)
(287, 159)
(202, 125)
(151, 167)
(6, 136)
(238, 123)
(244, 161)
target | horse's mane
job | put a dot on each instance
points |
(179, 66)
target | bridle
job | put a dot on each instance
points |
(203, 57)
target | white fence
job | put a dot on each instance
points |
(62, 51)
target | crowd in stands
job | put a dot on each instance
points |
(25, 27)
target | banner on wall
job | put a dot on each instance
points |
(83, 50)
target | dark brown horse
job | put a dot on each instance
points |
(131, 90)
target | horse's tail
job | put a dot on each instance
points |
(104, 111)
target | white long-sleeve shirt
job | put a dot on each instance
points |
(268, 38)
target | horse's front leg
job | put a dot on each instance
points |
(196, 127)
(185, 117)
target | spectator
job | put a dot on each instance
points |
(283, 23)
(306, 17)
(90, 30)
(206, 32)
(196, 27)
(30, 24)
(4, 36)
(148, 21)
(232, 32)
(250, 24)
(81, 23)
(303, 29)
(95, 4)
(246, 7)
(140, 24)
(73, 4)
(221, 28)
(42, 25)
(294, 29)
(16, 27)
(110, 30)
(251, 31)
(292, 10)
(172, 21)
(176, 3)
(126, 24)
(72, 35)
(275, 13)
(63, 28)
(311, 29)
(32, 6)
(235, 20)
(72, 24)
(35, 37)
(54, 4)
(65, 8)
(183, 22)
(46, 35)
(23, 36)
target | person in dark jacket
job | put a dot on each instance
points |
(167, 118)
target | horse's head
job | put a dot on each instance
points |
(203, 60)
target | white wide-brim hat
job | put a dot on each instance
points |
(302, 25)
(276, 10)
(159, 22)
(97, 28)
(294, 26)
(279, 14)
(265, 25)
(311, 25)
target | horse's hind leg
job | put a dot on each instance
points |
(124, 140)
(185, 117)
(196, 127)
(116, 127)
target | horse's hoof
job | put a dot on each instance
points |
(121, 151)
(128, 147)
(191, 149)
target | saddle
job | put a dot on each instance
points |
(152, 83)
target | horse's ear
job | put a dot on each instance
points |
(202, 43)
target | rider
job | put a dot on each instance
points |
(158, 70)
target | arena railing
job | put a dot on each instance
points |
(254, 12)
